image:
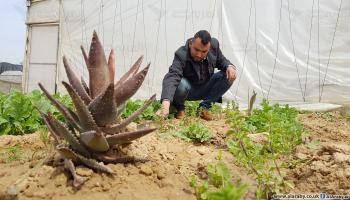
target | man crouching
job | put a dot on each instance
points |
(191, 76)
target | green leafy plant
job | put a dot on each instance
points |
(195, 132)
(219, 185)
(281, 122)
(191, 108)
(284, 133)
(148, 114)
(218, 174)
(292, 164)
(228, 192)
(19, 115)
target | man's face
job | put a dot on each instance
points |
(199, 51)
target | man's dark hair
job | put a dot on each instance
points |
(204, 36)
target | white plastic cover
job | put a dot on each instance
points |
(287, 51)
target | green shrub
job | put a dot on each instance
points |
(19, 115)
(195, 132)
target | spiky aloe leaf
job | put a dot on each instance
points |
(68, 114)
(78, 181)
(103, 108)
(126, 90)
(86, 120)
(126, 137)
(76, 84)
(67, 152)
(98, 69)
(62, 131)
(120, 126)
(132, 71)
(96, 142)
(111, 66)
(119, 159)
(85, 86)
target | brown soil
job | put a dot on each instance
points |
(173, 162)
(166, 176)
(327, 162)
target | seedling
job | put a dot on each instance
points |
(219, 185)
(14, 153)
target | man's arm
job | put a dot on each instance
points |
(172, 79)
(222, 62)
(170, 83)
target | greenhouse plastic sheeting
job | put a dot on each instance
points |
(287, 51)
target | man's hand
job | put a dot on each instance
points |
(164, 110)
(230, 73)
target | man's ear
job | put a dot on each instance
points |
(190, 43)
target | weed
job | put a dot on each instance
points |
(231, 105)
(219, 174)
(219, 185)
(190, 130)
(217, 110)
(195, 132)
(328, 116)
(14, 153)
(292, 164)
(166, 128)
(191, 108)
(315, 144)
(44, 136)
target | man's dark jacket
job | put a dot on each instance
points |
(184, 66)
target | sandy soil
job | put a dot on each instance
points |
(326, 154)
(324, 167)
(166, 176)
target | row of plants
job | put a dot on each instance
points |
(19, 111)
(279, 126)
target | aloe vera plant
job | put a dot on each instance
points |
(94, 131)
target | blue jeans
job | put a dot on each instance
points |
(210, 92)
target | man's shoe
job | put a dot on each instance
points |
(180, 114)
(205, 114)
